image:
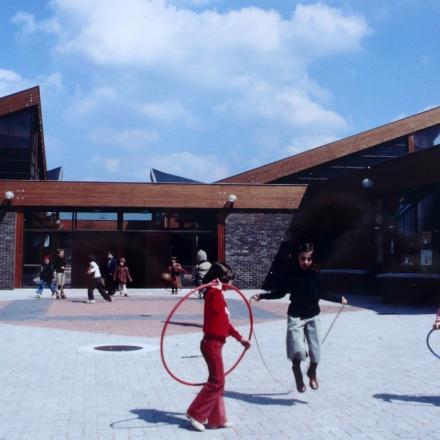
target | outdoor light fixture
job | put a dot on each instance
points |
(9, 195)
(367, 183)
(232, 198)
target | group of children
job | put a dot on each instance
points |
(52, 276)
(301, 282)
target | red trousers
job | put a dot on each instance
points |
(209, 404)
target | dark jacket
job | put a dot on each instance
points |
(46, 273)
(304, 287)
(59, 263)
(112, 264)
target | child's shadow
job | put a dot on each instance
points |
(263, 399)
(417, 399)
(151, 418)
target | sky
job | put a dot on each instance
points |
(210, 88)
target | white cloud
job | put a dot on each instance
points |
(305, 142)
(179, 64)
(83, 104)
(129, 139)
(238, 50)
(167, 112)
(29, 24)
(12, 82)
(52, 81)
(206, 168)
(111, 164)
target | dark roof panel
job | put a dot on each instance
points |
(157, 176)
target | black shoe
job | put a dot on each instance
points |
(311, 374)
(297, 373)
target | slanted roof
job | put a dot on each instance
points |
(55, 174)
(26, 99)
(337, 150)
(158, 176)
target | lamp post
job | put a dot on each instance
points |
(9, 195)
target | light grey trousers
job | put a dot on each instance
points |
(298, 332)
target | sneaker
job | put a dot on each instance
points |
(198, 426)
(58, 296)
(90, 301)
(225, 425)
(109, 299)
(38, 295)
(63, 296)
(125, 294)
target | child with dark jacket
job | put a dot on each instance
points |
(60, 264)
(303, 284)
(112, 264)
(209, 406)
(122, 277)
(46, 277)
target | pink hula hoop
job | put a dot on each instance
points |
(167, 321)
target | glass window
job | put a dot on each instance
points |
(95, 221)
(430, 137)
(60, 221)
(15, 129)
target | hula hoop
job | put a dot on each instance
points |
(167, 321)
(429, 345)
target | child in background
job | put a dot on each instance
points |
(60, 264)
(46, 277)
(201, 269)
(122, 277)
(303, 284)
(209, 404)
(175, 270)
(95, 281)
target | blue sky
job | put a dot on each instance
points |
(210, 88)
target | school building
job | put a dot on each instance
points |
(369, 202)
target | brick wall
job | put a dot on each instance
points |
(7, 250)
(252, 241)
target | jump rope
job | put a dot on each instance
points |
(428, 343)
(251, 333)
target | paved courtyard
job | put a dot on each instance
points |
(378, 380)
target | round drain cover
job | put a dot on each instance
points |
(118, 348)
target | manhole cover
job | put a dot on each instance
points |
(118, 348)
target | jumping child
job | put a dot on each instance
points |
(303, 284)
(95, 281)
(209, 406)
(122, 277)
(46, 277)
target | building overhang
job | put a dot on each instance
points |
(47, 195)
(338, 149)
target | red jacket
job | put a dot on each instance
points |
(216, 317)
(122, 275)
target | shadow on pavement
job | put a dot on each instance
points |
(417, 399)
(185, 324)
(151, 418)
(375, 304)
(263, 399)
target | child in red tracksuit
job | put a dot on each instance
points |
(209, 404)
